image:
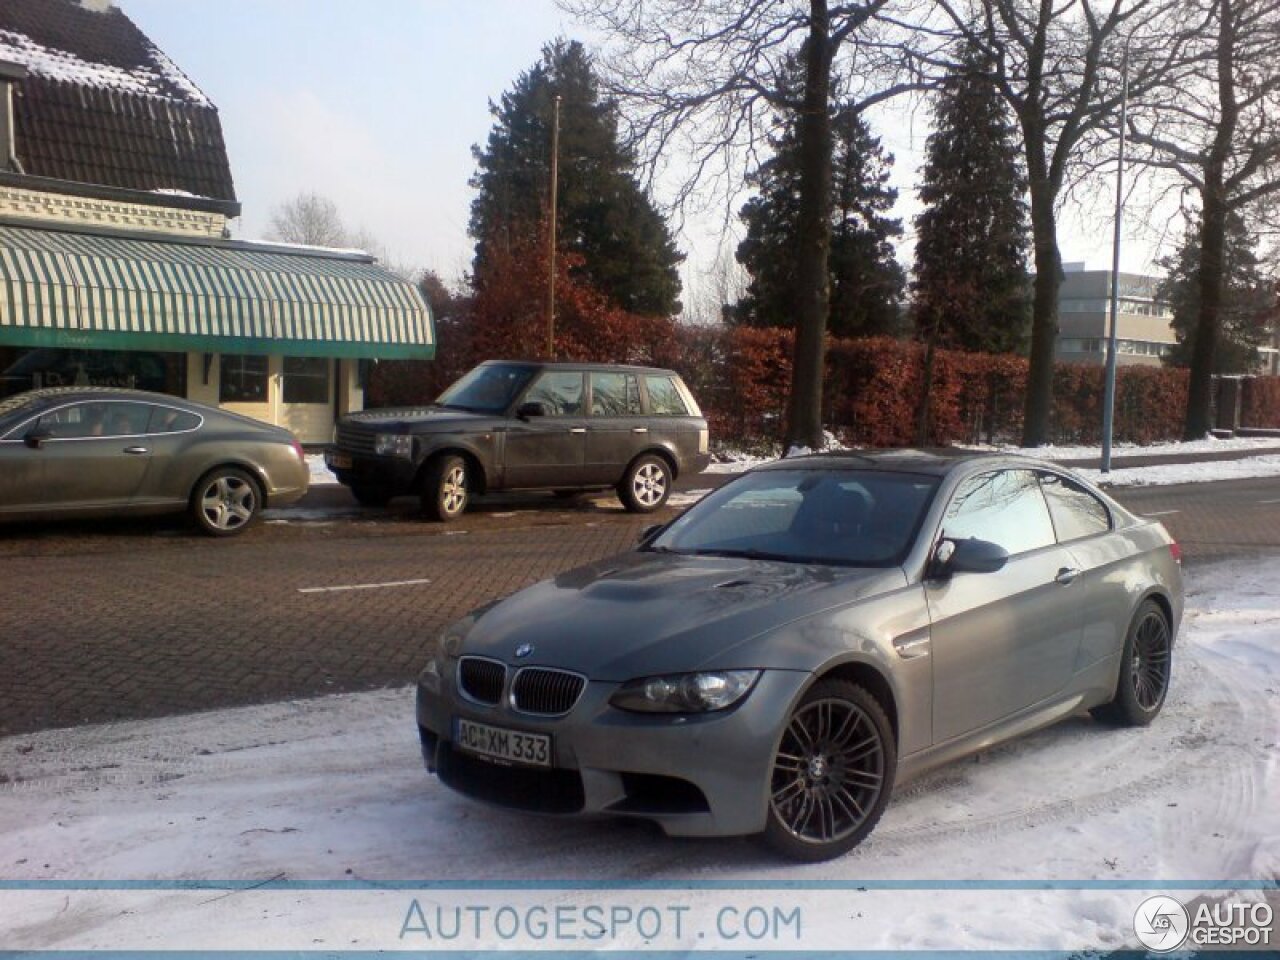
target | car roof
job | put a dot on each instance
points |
(938, 461)
(582, 365)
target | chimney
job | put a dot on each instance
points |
(11, 74)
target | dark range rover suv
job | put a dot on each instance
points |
(526, 426)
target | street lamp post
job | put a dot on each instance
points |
(1109, 392)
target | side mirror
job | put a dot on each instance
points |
(534, 408)
(36, 438)
(967, 556)
(649, 532)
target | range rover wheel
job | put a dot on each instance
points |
(225, 502)
(444, 488)
(646, 484)
(1144, 670)
(832, 774)
(370, 496)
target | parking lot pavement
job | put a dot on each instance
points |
(105, 621)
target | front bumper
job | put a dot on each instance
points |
(695, 775)
(394, 474)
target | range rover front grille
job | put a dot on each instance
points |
(482, 680)
(548, 693)
(356, 440)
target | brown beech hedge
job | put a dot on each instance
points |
(873, 388)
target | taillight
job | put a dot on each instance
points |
(302, 454)
(1175, 551)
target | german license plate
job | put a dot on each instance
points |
(501, 744)
(339, 460)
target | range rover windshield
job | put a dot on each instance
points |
(489, 388)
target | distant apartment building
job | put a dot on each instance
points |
(1144, 328)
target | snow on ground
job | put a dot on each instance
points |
(333, 789)
(321, 475)
(1162, 475)
(1207, 445)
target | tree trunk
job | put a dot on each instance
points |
(813, 239)
(1044, 317)
(1213, 197)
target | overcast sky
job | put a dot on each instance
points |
(376, 104)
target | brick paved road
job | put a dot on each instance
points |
(121, 620)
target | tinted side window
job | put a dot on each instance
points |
(560, 391)
(1005, 507)
(664, 398)
(1076, 512)
(171, 420)
(99, 418)
(614, 395)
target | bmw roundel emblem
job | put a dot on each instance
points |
(524, 650)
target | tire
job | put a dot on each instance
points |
(1146, 662)
(828, 787)
(225, 502)
(646, 484)
(445, 488)
(369, 496)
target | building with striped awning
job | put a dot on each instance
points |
(116, 266)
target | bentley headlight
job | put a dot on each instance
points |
(685, 692)
(394, 445)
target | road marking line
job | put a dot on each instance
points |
(1269, 501)
(363, 586)
(1162, 513)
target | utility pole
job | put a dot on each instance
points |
(551, 242)
(1109, 393)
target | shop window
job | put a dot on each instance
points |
(306, 380)
(49, 367)
(244, 379)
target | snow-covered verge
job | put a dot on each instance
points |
(1074, 825)
(1208, 445)
(1207, 471)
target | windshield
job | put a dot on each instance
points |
(855, 518)
(489, 388)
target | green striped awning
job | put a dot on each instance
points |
(68, 289)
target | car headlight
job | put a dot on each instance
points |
(685, 692)
(439, 649)
(394, 445)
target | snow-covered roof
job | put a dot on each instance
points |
(102, 104)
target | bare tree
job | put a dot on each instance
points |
(709, 77)
(1220, 134)
(1049, 61)
(308, 218)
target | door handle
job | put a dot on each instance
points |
(639, 429)
(1066, 575)
(577, 429)
(136, 450)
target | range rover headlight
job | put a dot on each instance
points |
(394, 445)
(685, 692)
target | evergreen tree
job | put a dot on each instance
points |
(866, 281)
(1248, 310)
(971, 289)
(625, 248)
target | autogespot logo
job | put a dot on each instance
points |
(1161, 924)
